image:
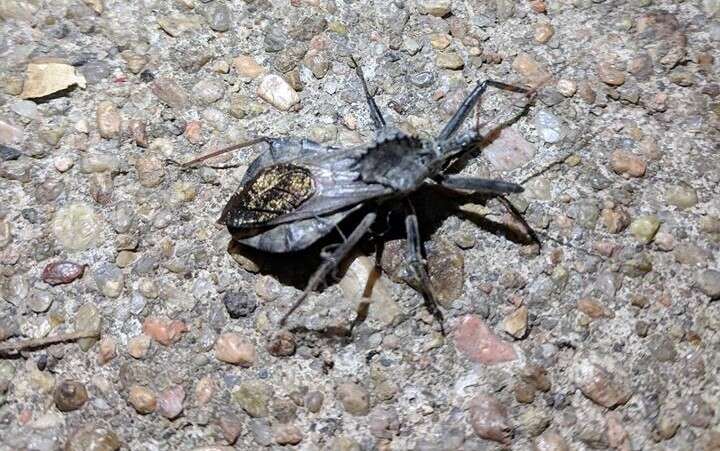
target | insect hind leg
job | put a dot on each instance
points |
(417, 265)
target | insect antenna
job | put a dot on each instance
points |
(252, 142)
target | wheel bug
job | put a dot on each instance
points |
(298, 191)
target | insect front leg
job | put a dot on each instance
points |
(417, 265)
(462, 113)
(375, 114)
(331, 262)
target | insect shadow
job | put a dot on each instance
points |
(298, 193)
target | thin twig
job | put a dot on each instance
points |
(21, 345)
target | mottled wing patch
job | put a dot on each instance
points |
(274, 191)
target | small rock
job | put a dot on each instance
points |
(150, 171)
(708, 281)
(76, 227)
(170, 402)
(516, 323)
(543, 32)
(70, 395)
(615, 220)
(282, 344)
(384, 423)
(474, 339)
(108, 119)
(592, 308)
(219, 17)
(529, 69)
(509, 150)
(607, 387)
(437, 8)
(247, 67)
(138, 132)
(440, 41)
(644, 228)
(239, 304)
(170, 92)
(9, 135)
(164, 331)
(208, 91)
(354, 398)
(40, 301)
(609, 75)
(317, 62)
(93, 438)
(626, 163)
(43, 79)
(524, 393)
(109, 280)
(62, 272)
(177, 24)
(253, 396)
(8, 153)
(489, 419)
(232, 427)
(449, 60)
(314, 401)
(681, 195)
(142, 399)
(551, 441)
(88, 320)
(549, 127)
(277, 92)
(566, 87)
(138, 346)
(107, 350)
(135, 62)
(287, 434)
(232, 348)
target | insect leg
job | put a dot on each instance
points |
(331, 262)
(462, 113)
(478, 185)
(226, 150)
(375, 114)
(417, 265)
(517, 215)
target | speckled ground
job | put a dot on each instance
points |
(603, 338)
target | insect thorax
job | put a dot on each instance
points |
(276, 190)
(399, 161)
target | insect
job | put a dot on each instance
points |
(298, 191)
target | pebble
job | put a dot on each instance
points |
(615, 220)
(566, 87)
(88, 320)
(219, 17)
(317, 62)
(5, 234)
(25, 108)
(549, 127)
(164, 331)
(76, 227)
(62, 272)
(516, 323)
(440, 41)
(287, 434)
(277, 92)
(170, 93)
(70, 395)
(150, 171)
(43, 79)
(355, 398)
(543, 32)
(644, 228)
(531, 71)
(108, 119)
(606, 386)
(708, 281)
(489, 419)
(626, 163)
(247, 67)
(681, 195)
(109, 279)
(9, 153)
(9, 135)
(231, 427)
(107, 350)
(208, 91)
(235, 349)
(475, 340)
(446, 268)
(609, 75)
(239, 304)
(282, 344)
(437, 8)
(138, 132)
(509, 150)
(142, 399)
(91, 437)
(314, 401)
(135, 62)
(551, 441)
(449, 60)
(253, 396)
(170, 402)
(138, 346)
(40, 301)
(97, 162)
